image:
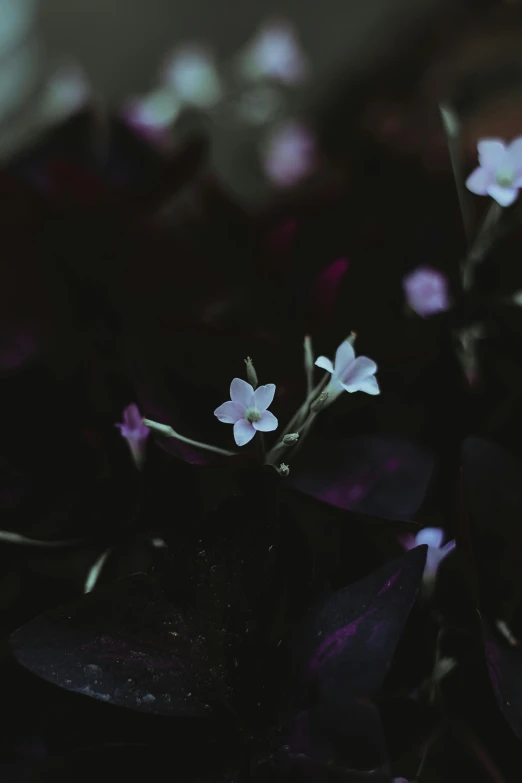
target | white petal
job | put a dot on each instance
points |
(369, 385)
(344, 357)
(479, 181)
(229, 413)
(243, 432)
(358, 372)
(515, 153)
(267, 422)
(324, 363)
(492, 153)
(263, 396)
(242, 393)
(503, 196)
(432, 536)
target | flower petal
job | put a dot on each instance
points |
(479, 181)
(267, 422)
(229, 413)
(132, 416)
(503, 196)
(344, 356)
(492, 153)
(449, 547)
(407, 540)
(263, 396)
(243, 432)
(432, 536)
(514, 152)
(324, 363)
(369, 385)
(242, 393)
(360, 369)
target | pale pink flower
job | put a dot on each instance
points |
(349, 373)
(433, 537)
(152, 115)
(135, 433)
(289, 155)
(426, 291)
(499, 174)
(275, 53)
(247, 410)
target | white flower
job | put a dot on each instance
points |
(192, 74)
(275, 53)
(499, 174)
(247, 410)
(349, 373)
(433, 537)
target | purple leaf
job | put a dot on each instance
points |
(125, 645)
(492, 495)
(384, 476)
(492, 485)
(349, 642)
(505, 672)
(330, 743)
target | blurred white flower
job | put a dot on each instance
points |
(67, 92)
(152, 115)
(191, 72)
(289, 155)
(426, 291)
(499, 174)
(274, 53)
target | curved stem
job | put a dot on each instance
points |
(168, 432)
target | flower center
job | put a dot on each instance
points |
(252, 415)
(504, 178)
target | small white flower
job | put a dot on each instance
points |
(349, 373)
(433, 537)
(247, 410)
(289, 154)
(499, 174)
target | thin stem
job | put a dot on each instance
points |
(451, 127)
(308, 364)
(168, 432)
(298, 420)
(15, 538)
(94, 572)
(481, 245)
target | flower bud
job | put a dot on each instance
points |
(318, 403)
(308, 354)
(251, 373)
(283, 469)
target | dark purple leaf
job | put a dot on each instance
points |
(17, 764)
(492, 496)
(505, 672)
(328, 743)
(348, 644)
(385, 476)
(125, 645)
(492, 484)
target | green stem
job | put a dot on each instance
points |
(168, 432)
(298, 421)
(450, 124)
(481, 245)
